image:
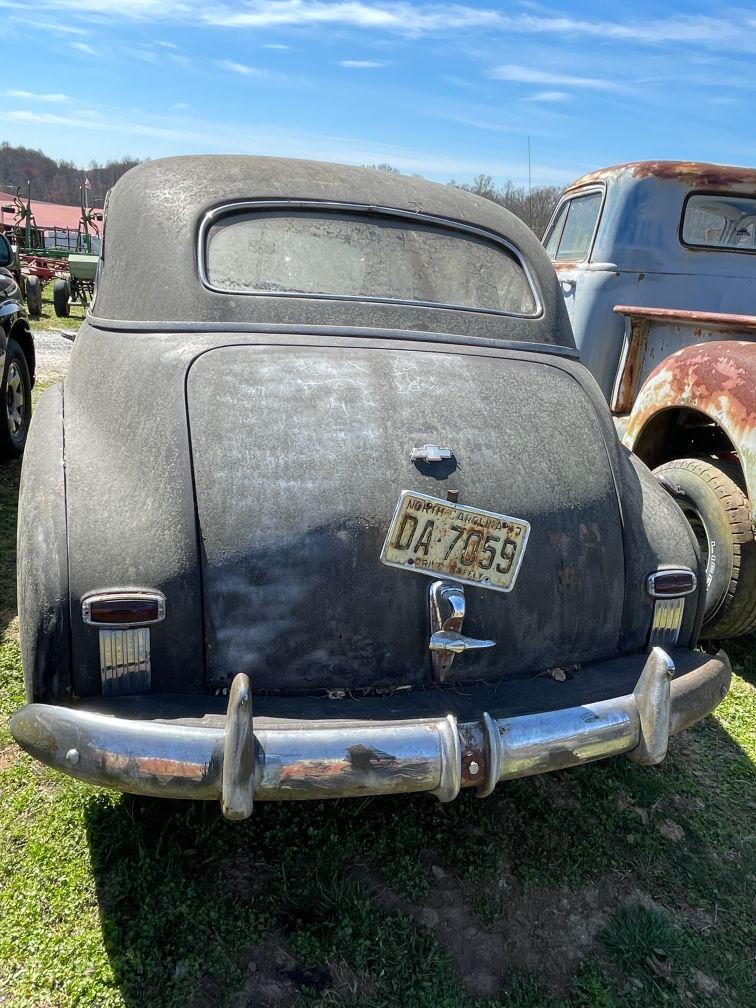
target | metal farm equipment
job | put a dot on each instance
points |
(60, 256)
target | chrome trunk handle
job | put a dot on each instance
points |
(447, 613)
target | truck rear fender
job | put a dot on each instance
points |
(706, 392)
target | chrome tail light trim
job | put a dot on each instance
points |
(665, 626)
(125, 661)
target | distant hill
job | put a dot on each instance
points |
(60, 181)
(57, 181)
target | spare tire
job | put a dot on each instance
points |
(719, 513)
(61, 295)
(34, 295)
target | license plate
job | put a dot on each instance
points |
(428, 535)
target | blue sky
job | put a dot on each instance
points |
(444, 90)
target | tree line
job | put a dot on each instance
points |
(60, 182)
(534, 206)
(57, 181)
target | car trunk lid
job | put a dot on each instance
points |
(300, 455)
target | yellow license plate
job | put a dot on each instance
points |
(428, 535)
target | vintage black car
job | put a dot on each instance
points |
(327, 506)
(17, 357)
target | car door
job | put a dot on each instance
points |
(569, 241)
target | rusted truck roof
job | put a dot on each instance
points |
(695, 174)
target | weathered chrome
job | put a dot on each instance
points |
(125, 661)
(447, 612)
(109, 596)
(239, 752)
(451, 760)
(666, 622)
(493, 755)
(450, 643)
(430, 453)
(447, 606)
(652, 579)
(652, 698)
(343, 759)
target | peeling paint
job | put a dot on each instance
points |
(716, 379)
(694, 174)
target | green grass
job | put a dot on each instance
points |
(611, 886)
(49, 320)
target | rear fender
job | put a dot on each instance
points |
(715, 379)
(43, 603)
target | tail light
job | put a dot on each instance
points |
(124, 619)
(123, 609)
(669, 588)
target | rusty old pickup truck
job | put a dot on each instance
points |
(657, 265)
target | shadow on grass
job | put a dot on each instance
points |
(331, 895)
(10, 475)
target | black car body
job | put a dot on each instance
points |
(17, 357)
(286, 365)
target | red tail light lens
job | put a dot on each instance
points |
(671, 583)
(121, 609)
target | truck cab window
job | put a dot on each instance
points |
(571, 234)
(720, 222)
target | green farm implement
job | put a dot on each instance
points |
(65, 257)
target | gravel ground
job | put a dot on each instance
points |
(53, 352)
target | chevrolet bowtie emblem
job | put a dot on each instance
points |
(430, 453)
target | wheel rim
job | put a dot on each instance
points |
(15, 400)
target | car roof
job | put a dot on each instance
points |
(149, 276)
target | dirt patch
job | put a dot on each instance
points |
(244, 877)
(8, 755)
(9, 620)
(272, 978)
(545, 932)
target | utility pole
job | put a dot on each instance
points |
(530, 190)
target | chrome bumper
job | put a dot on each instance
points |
(237, 764)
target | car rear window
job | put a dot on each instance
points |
(720, 222)
(364, 256)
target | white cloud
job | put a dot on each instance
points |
(529, 75)
(58, 29)
(196, 135)
(84, 48)
(731, 28)
(549, 96)
(275, 45)
(33, 96)
(242, 69)
(361, 64)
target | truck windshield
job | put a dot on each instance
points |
(364, 256)
(571, 235)
(720, 222)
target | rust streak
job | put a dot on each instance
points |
(708, 319)
(695, 174)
